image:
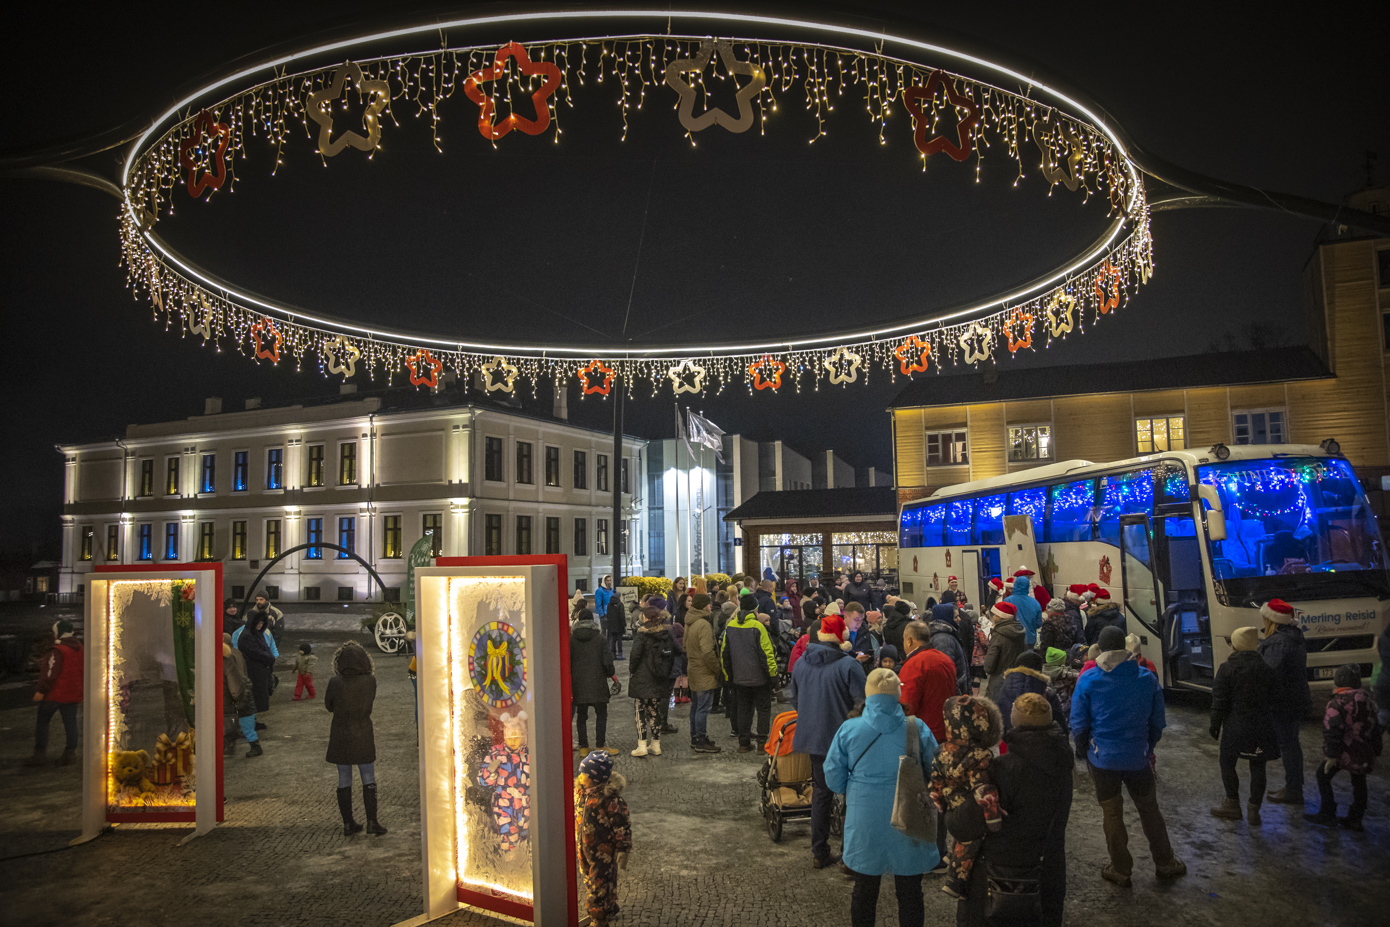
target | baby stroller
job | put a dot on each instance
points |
(785, 778)
(781, 652)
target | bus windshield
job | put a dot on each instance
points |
(1297, 528)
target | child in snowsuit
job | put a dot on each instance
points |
(304, 671)
(962, 787)
(1351, 740)
(603, 832)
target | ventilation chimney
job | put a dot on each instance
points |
(253, 403)
(347, 389)
(212, 405)
(562, 400)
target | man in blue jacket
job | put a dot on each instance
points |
(1027, 608)
(1117, 719)
(826, 683)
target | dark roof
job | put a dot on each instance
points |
(997, 384)
(819, 503)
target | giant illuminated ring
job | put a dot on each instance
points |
(1081, 149)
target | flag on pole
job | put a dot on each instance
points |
(704, 432)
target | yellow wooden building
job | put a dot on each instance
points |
(951, 429)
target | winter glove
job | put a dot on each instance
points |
(995, 825)
(1216, 732)
(622, 861)
(616, 688)
(1329, 767)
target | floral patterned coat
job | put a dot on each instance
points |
(1351, 733)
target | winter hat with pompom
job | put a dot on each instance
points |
(1031, 710)
(883, 682)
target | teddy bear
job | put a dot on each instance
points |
(128, 769)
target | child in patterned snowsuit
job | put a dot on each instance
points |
(962, 787)
(1351, 740)
(603, 832)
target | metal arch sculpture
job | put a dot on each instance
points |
(251, 589)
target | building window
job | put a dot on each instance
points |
(347, 463)
(147, 477)
(238, 540)
(1153, 435)
(271, 592)
(313, 534)
(1259, 426)
(315, 475)
(171, 540)
(523, 462)
(492, 460)
(347, 536)
(391, 537)
(113, 543)
(492, 536)
(552, 535)
(272, 539)
(275, 468)
(240, 465)
(623, 485)
(171, 476)
(601, 472)
(581, 470)
(433, 526)
(523, 535)
(209, 473)
(238, 592)
(601, 536)
(346, 593)
(581, 537)
(552, 466)
(622, 538)
(1030, 442)
(945, 448)
(310, 593)
(204, 540)
(88, 537)
(146, 545)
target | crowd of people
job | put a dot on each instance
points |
(997, 702)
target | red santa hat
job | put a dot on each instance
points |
(952, 579)
(997, 583)
(1024, 571)
(1076, 593)
(1279, 612)
(832, 631)
(1103, 596)
(1003, 611)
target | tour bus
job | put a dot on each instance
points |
(1189, 543)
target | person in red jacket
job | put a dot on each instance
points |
(928, 680)
(60, 691)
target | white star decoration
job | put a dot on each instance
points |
(687, 377)
(843, 366)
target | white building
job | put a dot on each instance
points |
(371, 474)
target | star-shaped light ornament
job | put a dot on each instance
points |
(320, 109)
(843, 366)
(200, 323)
(499, 376)
(1069, 175)
(715, 117)
(424, 369)
(219, 135)
(272, 334)
(687, 377)
(487, 109)
(922, 121)
(1019, 329)
(342, 356)
(1059, 313)
(977, 342)
(914, 356)
(766, 373)
(596, 378)
(1107, 287)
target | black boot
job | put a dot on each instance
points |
(350, 826)
(369, 802)
(229, 745)
(255, 749)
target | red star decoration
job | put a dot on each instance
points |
(596, 370)
(755, 370)
(913, 98)
(1108, 287)
(1021, 322)
(205, 125)
(917, 351)
(527, 67)
(424, 360)
(271, 353)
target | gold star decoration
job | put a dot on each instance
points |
(1070, 175)
(687, 377)
(977, 342)
(340, 347)
(1059, 313)
(711, 117)
(201, 324)
(843, 366)
(320, 109)
(499, 376)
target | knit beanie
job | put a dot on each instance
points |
(62, 628)
(728, 608)
(1031, 710)
(883, 682)
(1055, 657)
(1056, 606)
(701, 600)
(1092, 651)
(1111, 638)
(832, 628)
(1245, 638)
(1132, 643)
(657, 602)
(833, 608)
(1029, 659)
(598, 766)
(889, 651)
(748, 602)
(903, 607)
(1347, 677)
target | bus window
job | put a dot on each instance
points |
(910, 528)
(989, 519)
(921, 526)
(933, 523)
(1072, 504)
(958, 518)
(1124, 494)
(1030, 502)
(1172, 485)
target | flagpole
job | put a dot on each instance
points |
(677, 546)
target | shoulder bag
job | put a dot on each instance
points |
(1013, 892)
(913, 813)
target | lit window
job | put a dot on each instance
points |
(238, 540)
(1030, 442)
(433, 526)
(391, 537)
(601, 536)
(315, 475)
(205, 540)
(272, 539)
(492, 536)
(171, 476)
(275, 468)
(347, 536)
(945, 448)
(146, 545)
(1259, 426)
(1153, 435)
(88, 537)
(347, 463)
(240, 466)
(209, 473)
(171, 540)
(113, 543)
(552, 466)
(601, 472)
(623, 485)
(313, 528)
(147, 477)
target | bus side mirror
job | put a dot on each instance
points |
(1216, 518)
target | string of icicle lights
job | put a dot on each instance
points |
(521, 95)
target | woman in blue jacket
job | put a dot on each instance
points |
(863, 766)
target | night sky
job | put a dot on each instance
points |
(745, 237)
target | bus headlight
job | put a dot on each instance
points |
(1220, 451)
(1332, 447)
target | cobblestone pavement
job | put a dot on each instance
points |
(702, 857)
